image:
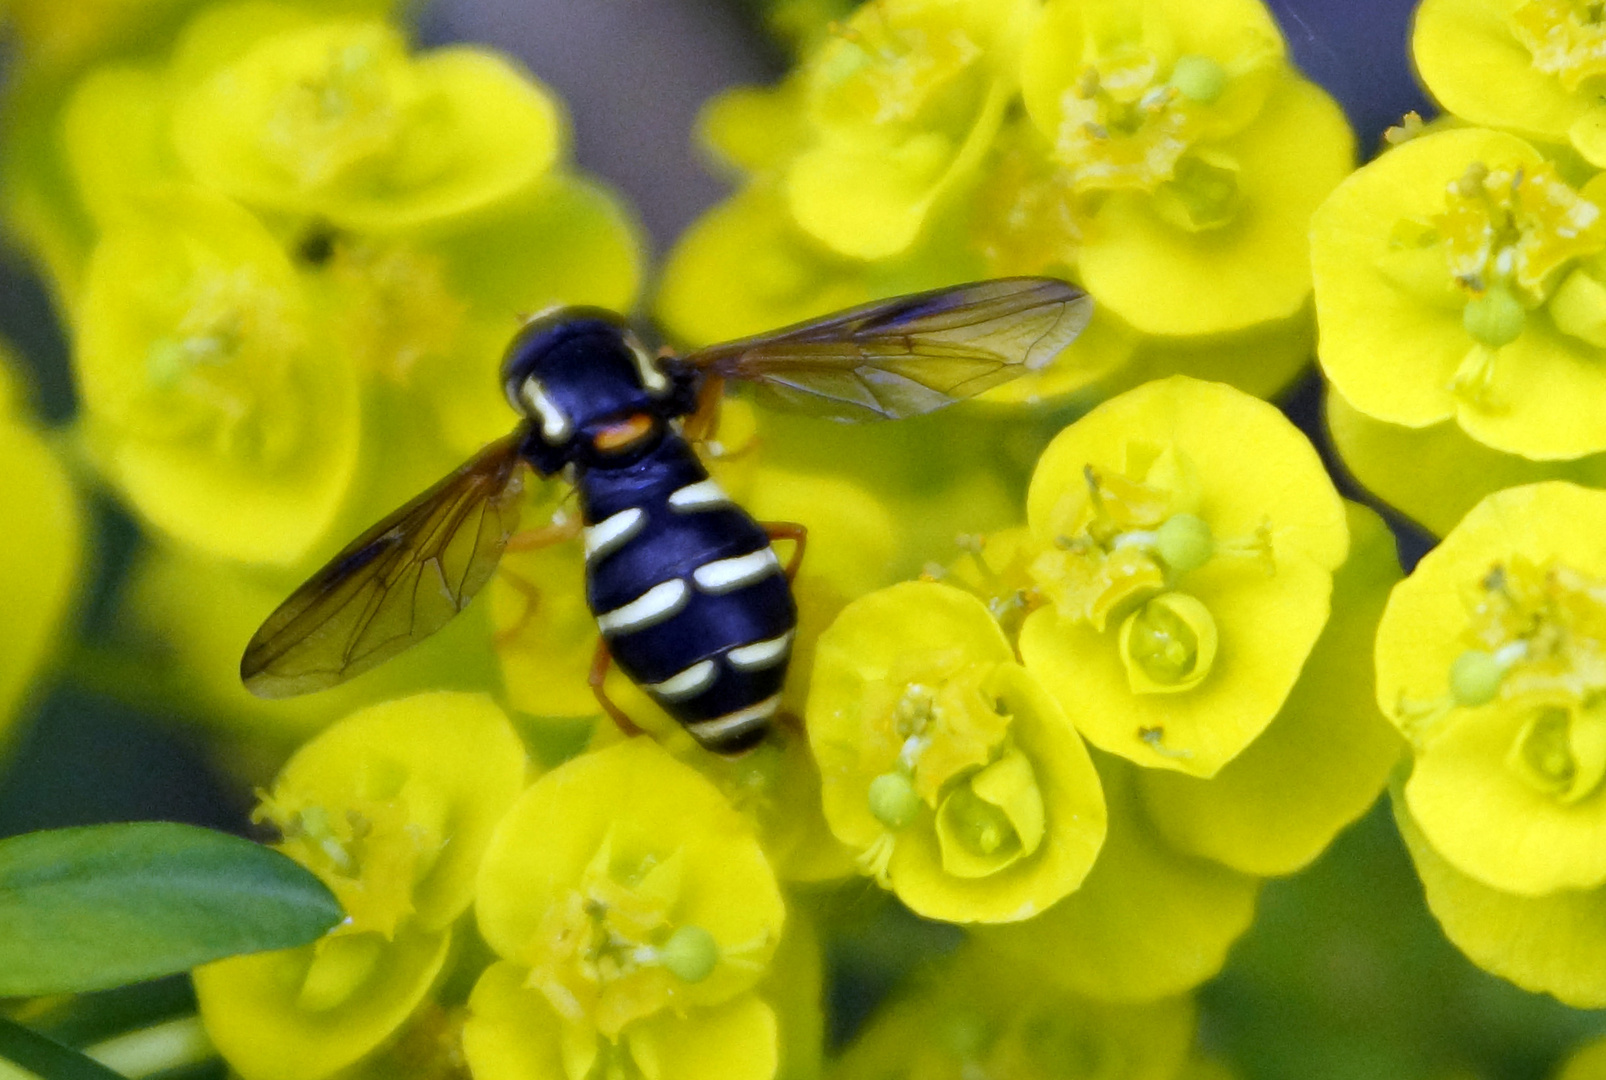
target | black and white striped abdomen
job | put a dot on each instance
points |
(688, 594)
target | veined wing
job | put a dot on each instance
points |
(910, 354)
(394, 585)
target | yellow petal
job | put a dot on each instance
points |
(1148, 922)
(1321, 763)
(1254, 268)
(251, 1006)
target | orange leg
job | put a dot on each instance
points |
(791, 722)
(532, 603)
(545, 535)
(703, 423)
(601, 660)
(789, 530)
(531, 540)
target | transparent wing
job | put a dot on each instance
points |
(910, 354)
(394, 585)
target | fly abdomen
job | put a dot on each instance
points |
(689, 595)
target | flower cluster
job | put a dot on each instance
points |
(1166, 661)
(1144, 149)
(393, 808)
(292, 248)
(1458, 276)
(1168, 601)
(1458, 289)
(633, 915)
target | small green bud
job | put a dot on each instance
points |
(894, 800)
(166, 361)
(1198, 78)
(978, 824)
(690, 954)
(1494, 318)
(1475, 678)
(1184, 542)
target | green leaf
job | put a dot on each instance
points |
(47, 1058)
(89, 908)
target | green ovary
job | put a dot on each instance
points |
(1562, 752)
(1169, 645)
(991, 819)
(1109, 558)
(1508, 235)
(1537, 637)
(609, 952)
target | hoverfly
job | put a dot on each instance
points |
(688, 594)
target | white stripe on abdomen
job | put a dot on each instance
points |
(724, 575)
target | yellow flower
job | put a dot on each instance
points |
(1206, 153)
(634, 912)
(334, 120)
(202, 372)
(1456, 279)
(392, 808)
(944, 764)
(41, 549)
(1528, 66)
(1177, 524)
(1491, 658)
(901, 105)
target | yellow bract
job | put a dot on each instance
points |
(335, 120)
(1321, 762)
(1456, 278)
(1151, 921)
(392, 808)
(41, 550)
(304, 1014)
(1546, 944)
(1507, 787)
(596, 920)
(998, 812)
(201, 374)
(1525, 65)
(973, 1015)
(1451, 471)
(1178, 668)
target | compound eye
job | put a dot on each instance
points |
(556, 427)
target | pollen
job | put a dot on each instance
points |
(1123, 539)
(1122, 127)
(1515, 227)
(1567, 38)
(1544, 627)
